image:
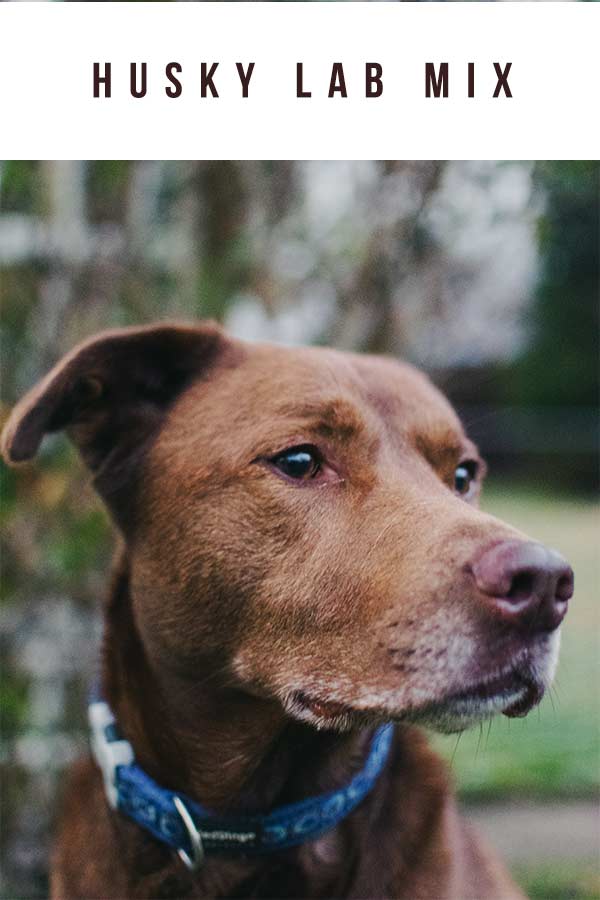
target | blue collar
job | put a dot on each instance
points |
(192, 830)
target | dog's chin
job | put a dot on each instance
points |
(513, 691)
(514, 695)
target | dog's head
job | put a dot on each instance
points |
(305, 521)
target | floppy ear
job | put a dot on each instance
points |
(111, 392)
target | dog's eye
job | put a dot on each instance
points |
(300, 463)
(464, 475)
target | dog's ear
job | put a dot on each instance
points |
(111, 392)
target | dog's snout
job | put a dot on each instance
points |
(525, 584)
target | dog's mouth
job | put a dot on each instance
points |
(500, 689)
(321, 709)
(532, 695)
(513, 693)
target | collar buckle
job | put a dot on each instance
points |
(194, 861)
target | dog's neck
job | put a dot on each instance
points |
(221, 746)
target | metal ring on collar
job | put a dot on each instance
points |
(194, 861)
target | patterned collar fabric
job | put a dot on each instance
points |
(194, 831)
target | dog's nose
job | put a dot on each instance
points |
(525, 584)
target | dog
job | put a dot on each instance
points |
(301, 562)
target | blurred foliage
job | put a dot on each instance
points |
(106, 190)
(13, 702)
(560, 366)
(551, 388)
(54, 534)
(22, 189)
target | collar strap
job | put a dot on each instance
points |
(192, 830)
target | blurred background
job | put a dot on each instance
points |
(483, 273)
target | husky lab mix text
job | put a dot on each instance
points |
(436, 80)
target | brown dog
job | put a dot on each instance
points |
(302, 559)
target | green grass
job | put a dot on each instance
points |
(560, 881)
(555, 751)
